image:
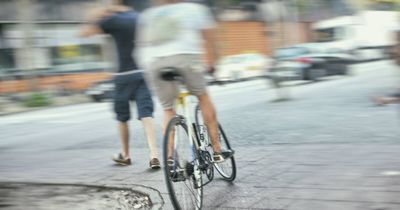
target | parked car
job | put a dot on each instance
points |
(241, 66)
(101, 90)
(309, 62)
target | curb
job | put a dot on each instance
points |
(41, 108)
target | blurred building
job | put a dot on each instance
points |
(40, 38)
(51, 33)
(259, 26)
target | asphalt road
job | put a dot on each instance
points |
(326, 148)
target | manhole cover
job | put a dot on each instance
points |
(18, 196)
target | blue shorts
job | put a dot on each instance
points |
(132, 87)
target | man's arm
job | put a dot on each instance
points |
(92, 27)
(207, 26)
(90, 30)
(209, 37)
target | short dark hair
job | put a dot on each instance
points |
(127, 2)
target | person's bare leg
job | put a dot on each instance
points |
(386, 100)
(210, 119)
(168, 114)
(150, 132)
(390, 100)
(124, 134)
(395, 101)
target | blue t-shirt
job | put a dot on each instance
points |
(121, 26)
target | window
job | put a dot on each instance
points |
(7, 62)
(291, 52)
(61, 10)
(325, 35)
(78, 58)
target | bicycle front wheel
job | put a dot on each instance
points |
(226, 169)
(181, 167)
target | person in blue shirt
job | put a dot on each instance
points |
(119, 21)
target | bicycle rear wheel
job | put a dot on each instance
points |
(226, 169)
(181, 167)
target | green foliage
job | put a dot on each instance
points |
(37, 100)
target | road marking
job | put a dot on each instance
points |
(391, 173)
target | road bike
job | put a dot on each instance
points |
(188, 155)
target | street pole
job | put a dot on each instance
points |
(26, 55)
(281, 90)
(296, 21)
(273, 13)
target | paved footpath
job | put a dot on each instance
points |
(326, 149)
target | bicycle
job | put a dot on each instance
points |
(188, 153)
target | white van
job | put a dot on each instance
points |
(367, 35)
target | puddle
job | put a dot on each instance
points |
(21, 196)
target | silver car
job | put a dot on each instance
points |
(308, 62)
(101, 90)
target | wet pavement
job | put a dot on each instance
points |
(21, 196)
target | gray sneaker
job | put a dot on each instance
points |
(154, 163)
(120, 160)
(170, 162)
(220, 157)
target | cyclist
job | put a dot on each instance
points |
(172, 34)
(118, 20)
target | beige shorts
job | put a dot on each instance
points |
(191, 68)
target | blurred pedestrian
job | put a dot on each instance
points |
(173, 34)
(393, 98)
(119, 21)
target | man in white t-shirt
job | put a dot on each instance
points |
(173, 34)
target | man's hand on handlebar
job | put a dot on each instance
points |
(211, 70)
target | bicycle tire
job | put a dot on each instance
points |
(228, 175)
(176, 188)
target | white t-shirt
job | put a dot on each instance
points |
(171, 29)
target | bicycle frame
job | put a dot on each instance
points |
(182, 103)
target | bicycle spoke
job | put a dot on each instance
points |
(180, 182)
(193, 193)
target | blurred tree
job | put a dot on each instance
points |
(311, 10)
(393, 5)
(26, 52)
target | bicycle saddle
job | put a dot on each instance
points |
(170, 74)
